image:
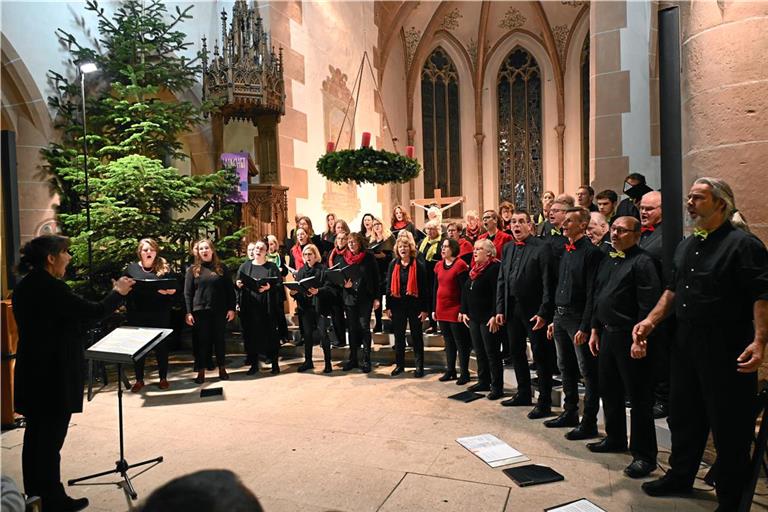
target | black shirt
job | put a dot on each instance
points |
(554, 237)
(146, 306)
(575, 284)
(478, 298)
(651, 242)
(626, 290)
(209, 290)
(527, 277)
(717, 280)
(321, 300)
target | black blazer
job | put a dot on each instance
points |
(368, 287)
(535, 284)
(49, 373)
(478, 298)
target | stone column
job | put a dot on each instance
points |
(725, 105)
(479, 139)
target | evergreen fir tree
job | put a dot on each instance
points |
(135, 116)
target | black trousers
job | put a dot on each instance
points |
(543, 350)
(407, 312)
(659, 352)
(359, 323)
(314, 325)
(40, 457)
(487, 346)
(574, 360)
(209, 326)
(620, 377)
(260, 334)
(706, 393)
(457, 341)
(162, 321)
(338, 322)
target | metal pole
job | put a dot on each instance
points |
(87, 189)
(670, 133)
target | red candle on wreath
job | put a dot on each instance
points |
(330, 146)
(409, 151)
(366, 142)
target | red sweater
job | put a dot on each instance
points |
(499, 241)
(448, 297)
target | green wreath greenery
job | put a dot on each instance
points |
(367, 165)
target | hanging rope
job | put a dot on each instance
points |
(356, 97)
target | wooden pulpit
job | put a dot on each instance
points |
(266, 212)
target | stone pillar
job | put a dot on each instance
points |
(725, 105)
(620, 113)
(479, 139)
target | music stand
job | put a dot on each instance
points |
(121, 346)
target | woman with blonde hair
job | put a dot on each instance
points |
(408, 302)
(473, 228)
(210, 299)
(381, 243)
(150, 307)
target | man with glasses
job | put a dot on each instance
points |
(626, 289)
(553, 233)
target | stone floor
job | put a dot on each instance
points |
(347, 442)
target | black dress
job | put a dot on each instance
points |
(208, 297)
(49, 373)
(149, 308)
(259, 312)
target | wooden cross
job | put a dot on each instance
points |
(438, 200)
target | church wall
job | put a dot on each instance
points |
(725, 106)
(490, 120)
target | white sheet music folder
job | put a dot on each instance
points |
(126, 344)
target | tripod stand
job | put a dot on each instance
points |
(121, 466)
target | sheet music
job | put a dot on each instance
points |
(126, 340)
(582, 505)
(491, 450)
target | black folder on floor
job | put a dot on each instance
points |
(466, 396)
(533, 474)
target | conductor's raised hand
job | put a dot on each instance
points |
(230, 315)
(123, 285)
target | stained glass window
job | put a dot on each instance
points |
(440, 126)
(519, 137)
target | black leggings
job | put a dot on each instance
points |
(487, 345)
(209, 327)
(314, 324)
(359, 322)
(403, 314)
(457, 340)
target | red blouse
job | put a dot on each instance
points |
(448, 300)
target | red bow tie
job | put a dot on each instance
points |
(649, 229)
(519, 243)
(570, 247)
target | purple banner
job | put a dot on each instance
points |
(238, 161)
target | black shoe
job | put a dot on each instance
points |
(479, 387)
(328, 368)
(517, 401)
(639, 468)
(397, 371)
(349, 365)
(606, 446)
(275, 368)
(419, 373)
(495, 394)
(539, 412)
(582, 431)
(307, 365)
(447, 376)
(253, 370)
(366, 367)
(462, 380)
(68, 504)
(566, 419)
(666, 486)
(660, 410)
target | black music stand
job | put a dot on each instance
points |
(121, 346)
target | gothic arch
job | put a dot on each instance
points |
(573, 125)
(490, 122)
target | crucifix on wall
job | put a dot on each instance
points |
(442, 203)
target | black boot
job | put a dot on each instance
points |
(366, 367)
(275, 367)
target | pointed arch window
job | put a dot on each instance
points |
(519, 138)
(440, 127)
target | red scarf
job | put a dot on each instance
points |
(478, 269)
(473, 233)
(354, 259)
(399, 224)
(412, 287)
(297, 259)
(335, 252)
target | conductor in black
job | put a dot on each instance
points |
(626, 289)
(719, 293)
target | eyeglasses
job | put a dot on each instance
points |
(620, 231)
